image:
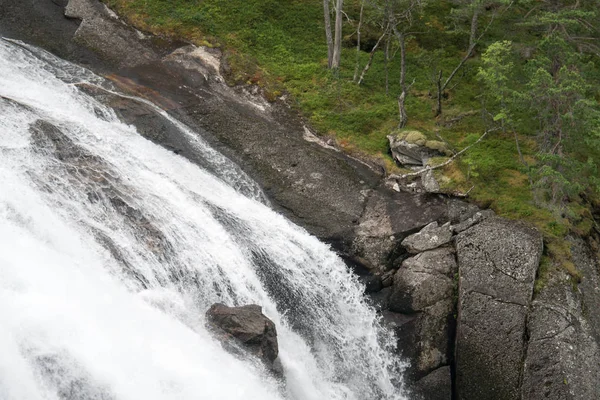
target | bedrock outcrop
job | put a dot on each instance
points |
(498, 260)
(563, 355)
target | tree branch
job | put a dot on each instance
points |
(448, 161)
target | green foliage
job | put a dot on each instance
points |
(533, 74)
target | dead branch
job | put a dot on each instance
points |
(448, 161)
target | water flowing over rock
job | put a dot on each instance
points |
(248, 326)
(112, 245)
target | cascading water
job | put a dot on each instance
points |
(113, 248)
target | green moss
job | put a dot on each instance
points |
(437, 145)
(280, 46)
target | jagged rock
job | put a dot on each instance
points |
(387, 279)
(563, 353)
(411, 148)
(248, 327)
(372, 283)
(429, 183)
(388, 218)
(424, 286)
(498, 260)
(101, 31)
(435, 386)
(380, 300)
(430, 237)
(475, 219)
(459, 211)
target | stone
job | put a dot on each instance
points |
(563, 351)
(424, 288)
(430, 237)
(429, 183)
(387, 279)
(380, 300)
(475, 219)
(372, 283)
(248, 327)
(459, 210)
(411, 148)
(437, 385)
(423, 280)
(498, 260)
(388, 218)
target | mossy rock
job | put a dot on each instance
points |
(438, 146)
(414, 137)
(411, 136)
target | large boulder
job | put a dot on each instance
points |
(411, 148)
(248, 327)
(423, 287)
(563, 355)
(498, 260)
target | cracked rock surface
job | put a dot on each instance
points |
(430, 237)
(498, 260)
(563, 356)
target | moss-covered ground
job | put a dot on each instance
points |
(280, 46)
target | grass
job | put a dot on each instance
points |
(280, 46)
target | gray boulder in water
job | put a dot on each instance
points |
(247, 327)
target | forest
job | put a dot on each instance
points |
(515, 83)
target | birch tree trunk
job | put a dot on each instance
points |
(360, 20)
(328, 35)
(402, 98)
(371, 55)
(337, 44)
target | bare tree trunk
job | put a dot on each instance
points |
(402, 98)
(440, 92)
(328, 35)
(441, 87)
(371, 56)
(387, 62)
(337, 45)
(360, 20)
(402, 110)
(474, 27)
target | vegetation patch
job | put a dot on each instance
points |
(525, 71)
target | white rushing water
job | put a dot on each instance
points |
(113, 248)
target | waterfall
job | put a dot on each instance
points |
(113, 248)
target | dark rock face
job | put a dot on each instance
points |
(120, 47)
(423, 287)
(563, 357)
(498, 260)
(249, 327)
(435, 386)
(387, 219)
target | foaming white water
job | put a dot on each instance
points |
(113, 249)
